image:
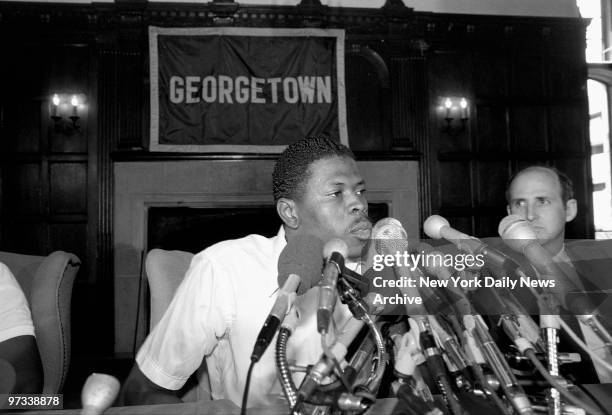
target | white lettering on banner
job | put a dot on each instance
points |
(307, 88)
(274, 88)
(177, 91)
(324, 90)
(256, 89)
(191, 89)
(242, 90)
(209, 89)
(290, 87)
(226, 87)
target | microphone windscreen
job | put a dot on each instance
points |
(301, 256)
(389, 236)
(335, 245)
(515, 227)
(386, 224)
(433, 226)
(516, 232)
(99, 393)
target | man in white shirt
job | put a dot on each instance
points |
(544, 197)
(228, 290)
(19, 358)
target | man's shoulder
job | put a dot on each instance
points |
(6, 276)
(589, 248)
(253, 244)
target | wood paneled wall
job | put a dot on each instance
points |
(525, 79)
(527, 86)
(48, 196)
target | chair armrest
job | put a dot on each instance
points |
(55, 274)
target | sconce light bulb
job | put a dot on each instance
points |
(74, 101)
(448, 103)
(463, 103)
(55, 100)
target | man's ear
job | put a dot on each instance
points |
(508, 210)
(288, 212)
(571, 209)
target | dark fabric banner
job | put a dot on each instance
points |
(245, 89)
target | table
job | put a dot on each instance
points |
(220, 407)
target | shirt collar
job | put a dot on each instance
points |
(562, 255)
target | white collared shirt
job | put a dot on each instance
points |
(591, 339)
(217, 313)
(15, 316)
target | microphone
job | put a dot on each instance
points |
(436, 227)
(408, 358)
(334, 252)
(435, 363)
(520, 236)
(325, 365)
(99, 392)
(456, 296)
(492, 302)
(391, 240)
(436, 303)
(484, 347)
(301, 256)
(389, 236)
(299, 267)
(500, 366)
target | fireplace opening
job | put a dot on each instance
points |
(192, 229)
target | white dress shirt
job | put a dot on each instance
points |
(217, 313)
(15, 316)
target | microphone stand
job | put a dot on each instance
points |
(435, 364)
(515, 393)
(348, 296)
(360, 397)
(550, 334)
(282, 365)
(549, 324)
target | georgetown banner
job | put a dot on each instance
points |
(244, 89)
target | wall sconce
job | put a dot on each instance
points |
(65, 105)
(454, 107)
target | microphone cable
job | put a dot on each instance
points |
(328, 353)
(488, 392)
(245, 394)
(435, 364)
(555, 384)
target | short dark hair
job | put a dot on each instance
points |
(291, 171)
(567, 187)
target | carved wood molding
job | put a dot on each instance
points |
(391, 20)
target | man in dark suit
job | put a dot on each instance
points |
(543, 196)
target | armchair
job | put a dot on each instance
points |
(47, 285)
(165, 271)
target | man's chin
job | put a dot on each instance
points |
(542, 235)
(356, 247)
